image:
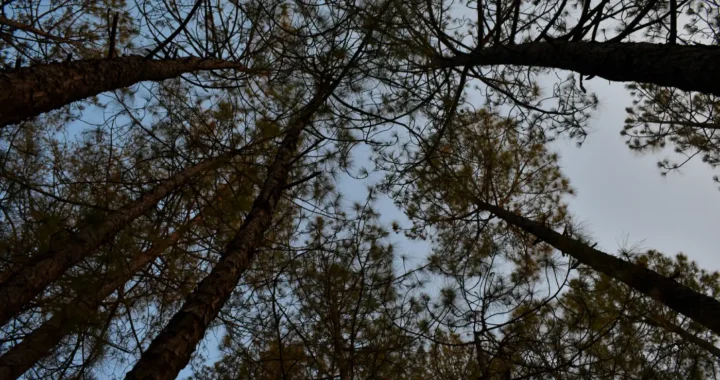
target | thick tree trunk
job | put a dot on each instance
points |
(335, 326)
(170, 351)
(22, 287)
(702, 309)
(33, 90)
(41, 341)
(686, 67)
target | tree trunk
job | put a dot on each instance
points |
(335, 326)
(32, 90)
(700, 308)
(686, 67)
(22, 287)
(170, 351)
(41, 341)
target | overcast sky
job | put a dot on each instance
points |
(622, 196)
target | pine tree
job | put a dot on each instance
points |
(664, 46)
(325, 305)
(176, 170)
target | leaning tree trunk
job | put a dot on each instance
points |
(686, 67)
(32, 90)
(700, 308)
(170, 351)
(22, 287)
(41, 341)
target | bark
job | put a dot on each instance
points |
(21, 288)
(33, 90)
(335, 326)
(700, 308)
(41, 341)
(170, 351)
(686, 67)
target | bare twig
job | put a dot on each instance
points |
(31, 29)
(174, 34)
(113, 37)
(673, 22)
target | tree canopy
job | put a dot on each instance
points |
(348, 189)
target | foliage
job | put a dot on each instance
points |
(333, 288)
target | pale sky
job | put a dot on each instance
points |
(622, 196)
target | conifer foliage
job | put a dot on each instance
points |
(352, 189)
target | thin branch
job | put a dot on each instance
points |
(301, 180)
(630, 28)
(673, 22)
(659, 321)
(480, 21)
(516, 16)
(498, 20)
(543, 34)
(715, 126)
(31, 29)
(113, 35)
(176, 32)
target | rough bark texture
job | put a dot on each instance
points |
(170, 351)
(698, 307)
(335, 326)
(41, 341)
(686, 67)
(32, 90)
(22, 287)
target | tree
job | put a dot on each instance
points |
(192, 183)
(48, 84)
(512, 39)
(498, 47)
(20, 287)
(679, 66)
(664, 289)
(108, 265)
(44, 338)
(494, 277)
(452, 198)
(171, 350)
(330, 304)
(602, 328)
(687, 120)
(42, 88)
